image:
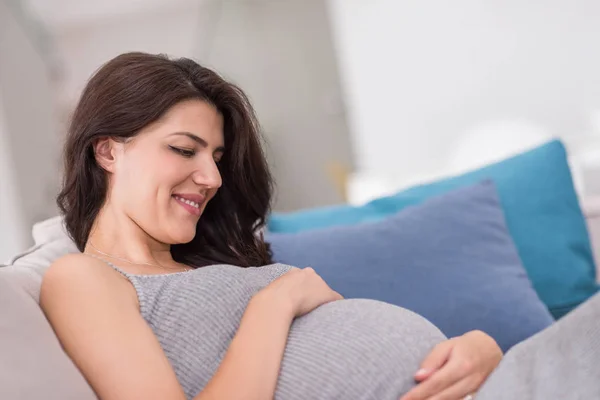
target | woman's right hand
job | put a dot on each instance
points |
(254, 357)
(302, 290)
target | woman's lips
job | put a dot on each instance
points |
(191, 203)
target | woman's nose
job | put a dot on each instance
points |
(208, 175)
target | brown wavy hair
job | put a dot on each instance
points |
(134, 90)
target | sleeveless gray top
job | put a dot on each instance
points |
(348, 349)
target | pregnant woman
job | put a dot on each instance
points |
(175, 296)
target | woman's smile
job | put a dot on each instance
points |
(190, 202)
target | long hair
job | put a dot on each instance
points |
(135, 89)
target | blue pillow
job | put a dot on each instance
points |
(450, 259)
(542, 214)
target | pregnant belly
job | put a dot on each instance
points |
(354, 349)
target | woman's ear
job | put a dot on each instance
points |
(105, 151)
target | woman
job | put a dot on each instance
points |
(165, 189)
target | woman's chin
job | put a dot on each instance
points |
(183, 236)
(186, 238)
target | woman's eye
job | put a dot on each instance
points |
(184, 152)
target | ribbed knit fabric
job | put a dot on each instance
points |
(348, 349)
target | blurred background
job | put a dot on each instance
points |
(357, 98)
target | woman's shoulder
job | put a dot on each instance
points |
(80, 265)
(82, 274)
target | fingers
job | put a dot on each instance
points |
(459, 390)
(435, 360)
(334, 295)
(451, 373)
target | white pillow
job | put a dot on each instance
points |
(27, 268)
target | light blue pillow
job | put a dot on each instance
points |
(542, 212)
(450, 259)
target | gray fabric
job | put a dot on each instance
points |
(561, 362)
(32, 363)
(349, 349)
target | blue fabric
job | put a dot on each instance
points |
(542, 213)
(450, 259)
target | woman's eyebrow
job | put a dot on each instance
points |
(198, 140)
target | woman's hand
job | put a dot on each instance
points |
(302, 290)
(456, 368)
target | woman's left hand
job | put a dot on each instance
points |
(456, 368)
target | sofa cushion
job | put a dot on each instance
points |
(450, 259)
(33, 364)
(542, 212)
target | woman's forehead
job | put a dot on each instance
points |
(191, 118)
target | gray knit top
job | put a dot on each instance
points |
(348, 349)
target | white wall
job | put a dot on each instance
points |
(13, 236)
(418, 75)
(83, 48)
(29, 142)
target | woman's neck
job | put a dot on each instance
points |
(118, 237)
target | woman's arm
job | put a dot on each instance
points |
(254, 357)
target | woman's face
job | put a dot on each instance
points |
(163, 178)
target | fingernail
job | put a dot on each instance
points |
(422, 371)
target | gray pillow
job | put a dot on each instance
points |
(33, 365)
